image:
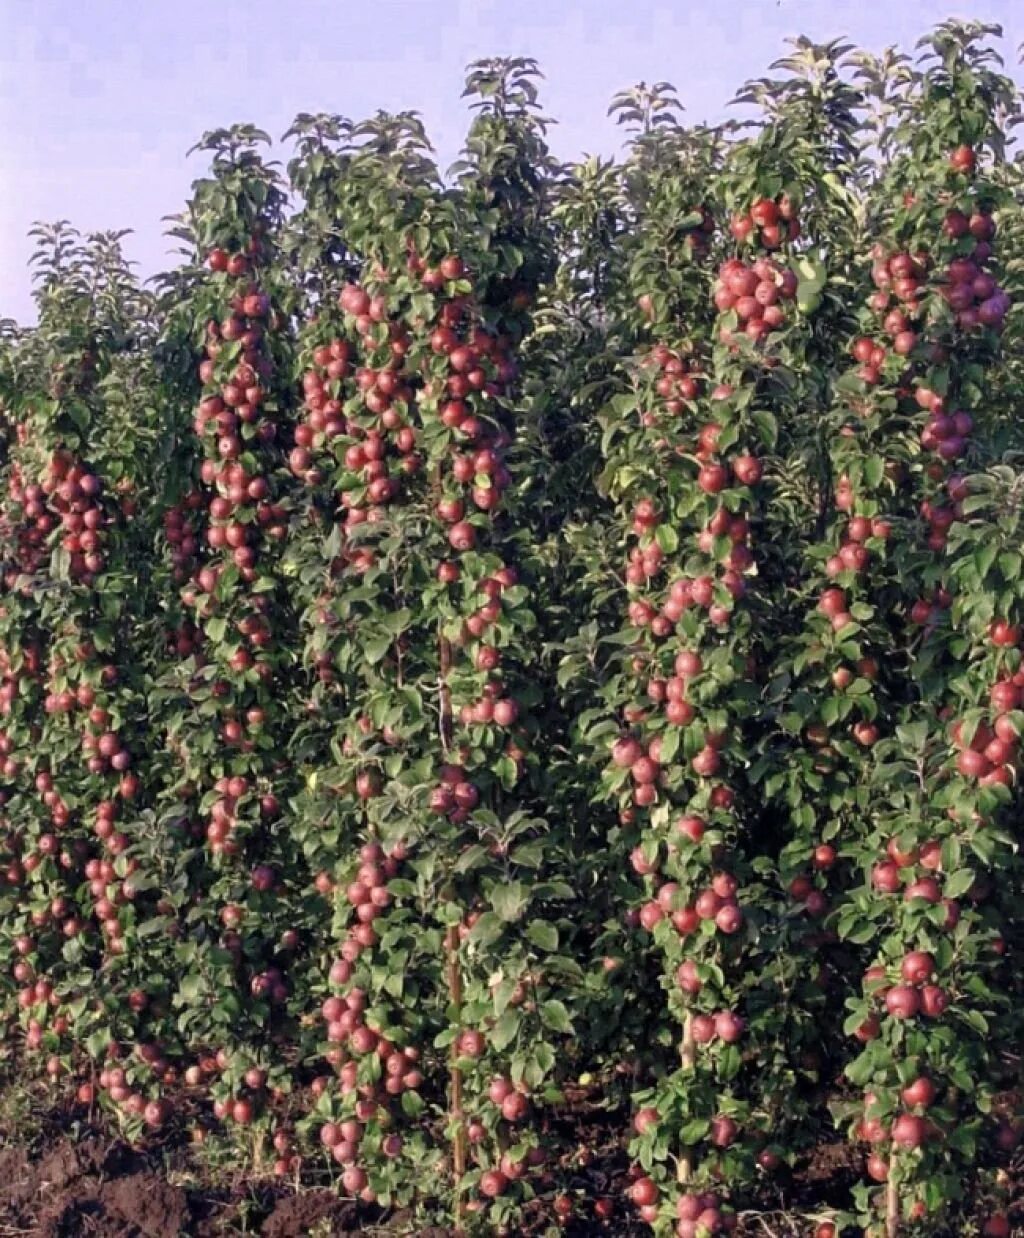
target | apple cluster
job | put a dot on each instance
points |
(971, 293)
(769, 223)
(716, 903)
(512, 1103)
(756, 293)
(991, 755)
(67, 496)
(679, 380)
(181, 529)
(698, 1213)
(684, 616)
(25, 525)
(232, 631)
(920, 986)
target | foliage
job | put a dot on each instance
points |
(471, 639)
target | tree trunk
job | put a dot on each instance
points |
(688, 1055)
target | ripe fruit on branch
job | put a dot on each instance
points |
(724, 1131)
(493, 1183)
(903, 1002)
(909, 1131)
(917, 967)
(963, 159)
(919, 1094)
(644, 1192)
(712, 478)
(747, 469)
(1004, 635)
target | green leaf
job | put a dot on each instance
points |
(768, 428)
(542, 934)
(510, 901)
(669, 745)
(376, 649)
(505, 1029)
(977, 1021)
(874, 471)
(554, 1015)
(693, 1132)
(190, 986)
(412, 1104)
(957, 884)
(216, 628)
(472, 857)
(486, 930)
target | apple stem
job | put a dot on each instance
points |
(892, 1206)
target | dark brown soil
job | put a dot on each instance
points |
(101, 1189)
(297, 1214)
(88, 1188)
(96, 1187)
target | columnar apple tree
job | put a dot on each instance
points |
(934, 833)
(416, 619)
(478, 645)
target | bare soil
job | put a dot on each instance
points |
(98, 1187)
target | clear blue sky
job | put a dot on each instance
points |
(100, 99)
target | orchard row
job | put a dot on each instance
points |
(475, 653)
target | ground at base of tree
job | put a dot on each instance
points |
(75, 1180)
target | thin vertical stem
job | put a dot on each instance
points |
(459, 1137)
(452, 960)
(444, 650)
(892, 1206)
(688, 1055)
